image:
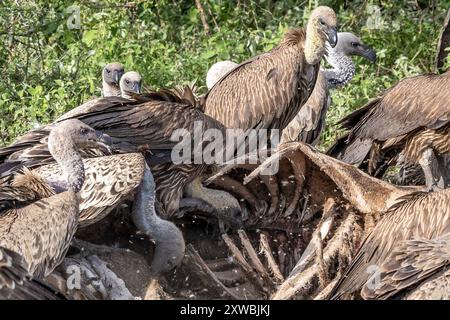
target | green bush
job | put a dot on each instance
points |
(48, 68)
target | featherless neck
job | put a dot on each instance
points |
(145, 202)
(64, 152)
(314, 45)
(110, 90)
(343, 69)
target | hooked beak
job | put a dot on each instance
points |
(103, 142)
(332, 36)
(117, 76)
(370, 54)
(137, 88)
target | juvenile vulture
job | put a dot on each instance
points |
(409, 122)
(267, 91)
(410, 245)
(16, 283)
(309, 123)
(109, 180)
(111, 75)
(38, 216)
(130, 83)
(217, 71)
(140, 125)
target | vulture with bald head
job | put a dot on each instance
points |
(267, 91)
(130, 84)
(111, 75)
(309, 123)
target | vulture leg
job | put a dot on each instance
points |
(433, 177)
(169, 241)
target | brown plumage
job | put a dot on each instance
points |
(16, 283)
(39, 217)
(309, 123)
(267, 91)
(407, 247)
(409, 118)
(144, 124)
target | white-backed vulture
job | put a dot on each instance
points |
(111, 75)
(267, 91)
(38, 217)
(217, 71)
(309, 123)
(408, 123)
(130, 83)
(138, 125)
(410, 245)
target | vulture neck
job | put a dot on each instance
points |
(343, 69)
(64, 152)
(144, 203)
(314, 44)
(110, 90)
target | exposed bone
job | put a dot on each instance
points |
(196, 264)
(273, 266)
(242, 262)
(302, 283)
(254, 258)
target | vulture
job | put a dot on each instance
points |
(145, 124)
(217, 71)
(39, 216)
(267, 91)
(16, 283)
(111, 75)
(409, 123)
(309, 123)
(410, 245)
(130, 83)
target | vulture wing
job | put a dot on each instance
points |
(16, 283)
(309, 122)
(419, 216)
(267, 91)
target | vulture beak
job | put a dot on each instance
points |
(332, 36)
(137, 87)
(370, 54)
(103, 142)
(117, 76)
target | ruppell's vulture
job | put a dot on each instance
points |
(309, 123)
(111, 75)
(267, 91)
(139, 125)
(38, 217)
(409, 122)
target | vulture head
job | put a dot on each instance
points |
(321, 28)
(130, 83)
(351, 45)
(217, 71)
(74, 133)
(111, 75)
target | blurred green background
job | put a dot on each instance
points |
(49, 68)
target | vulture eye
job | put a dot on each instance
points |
(84, 131)
(321, 22)
(107, 70)
(127, 81)
(354, 44)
